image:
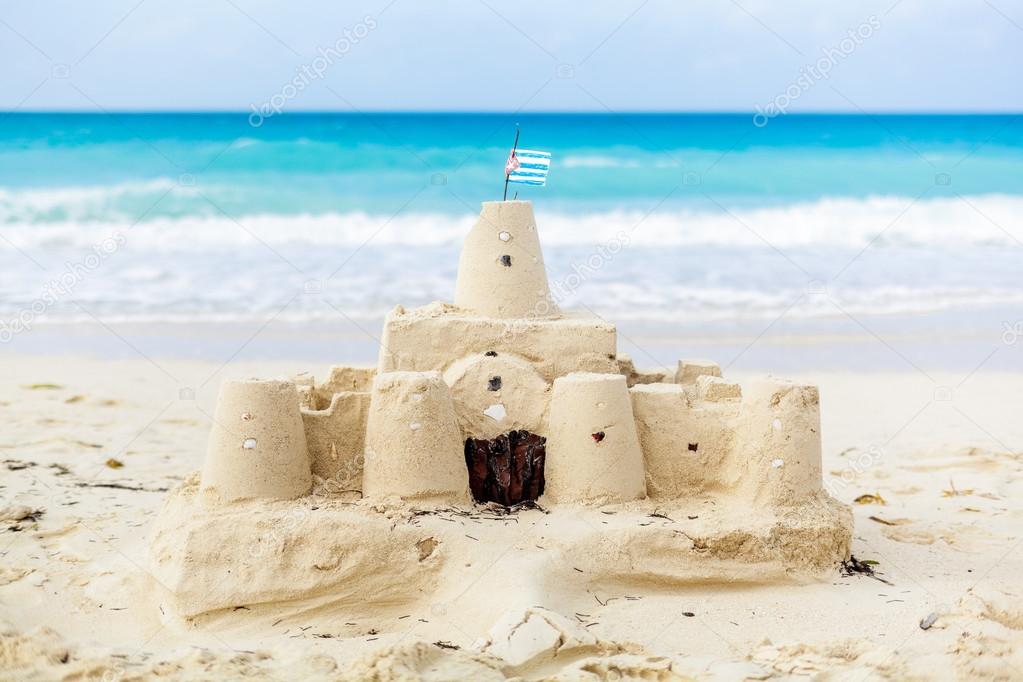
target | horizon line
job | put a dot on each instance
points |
(498, 112)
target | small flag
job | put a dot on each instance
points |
(528, 167)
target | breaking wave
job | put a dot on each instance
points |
(57, 218)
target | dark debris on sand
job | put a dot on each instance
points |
(853, 566)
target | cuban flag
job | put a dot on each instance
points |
(528, 167)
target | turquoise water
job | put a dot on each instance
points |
(311, 163)
(207, 217)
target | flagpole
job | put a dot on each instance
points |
(515, 146)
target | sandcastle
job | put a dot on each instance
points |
(500, 404)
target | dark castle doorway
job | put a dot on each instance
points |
(508, 469)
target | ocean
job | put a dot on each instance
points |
(698, 226)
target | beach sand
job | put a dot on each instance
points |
(90, 448)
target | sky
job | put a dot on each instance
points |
(486, 55)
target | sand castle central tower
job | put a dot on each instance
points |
(501, 272)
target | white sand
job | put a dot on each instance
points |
(76, 598)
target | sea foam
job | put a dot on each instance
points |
(985, 220)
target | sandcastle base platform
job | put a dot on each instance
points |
(370, 556)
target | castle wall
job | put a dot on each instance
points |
(343, 378)
(634, 376)
(433, 337)
(688, 371)
(336, 439)
(686, 441)
(761, 445)
(706, 437)
(340, 379)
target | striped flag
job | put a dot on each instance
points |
(528, 167)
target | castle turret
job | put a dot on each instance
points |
(257, 446)
(593, 451)
(413, 444)
(501, 272)
(780, 432)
